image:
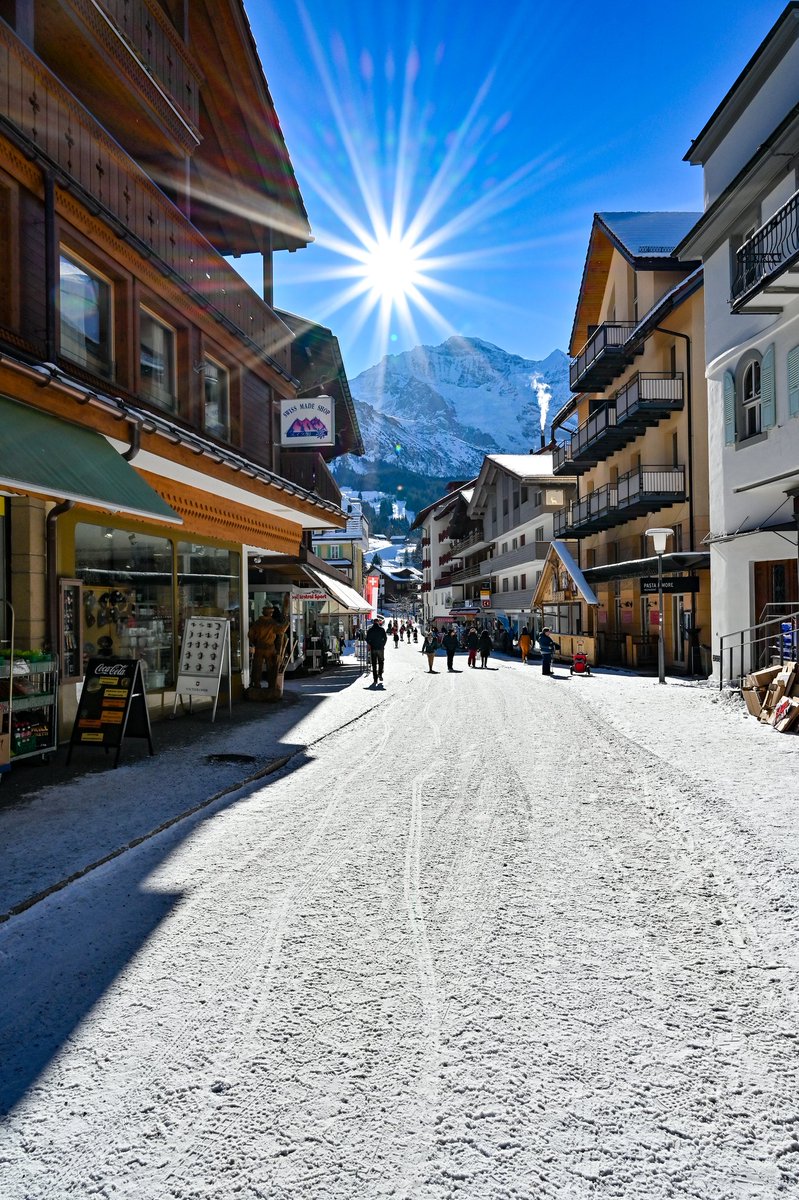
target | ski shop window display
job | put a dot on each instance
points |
(209, 585)
(127, 598)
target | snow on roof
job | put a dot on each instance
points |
(649, 234)
(526, 466)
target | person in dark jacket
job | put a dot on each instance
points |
(451, 644)
(484, 645)
(548, 647)
(376, 640)
(429, 647)
(472, 645)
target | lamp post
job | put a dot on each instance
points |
(660, 538)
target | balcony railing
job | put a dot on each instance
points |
(562, 461)
(646, 489)
(532, 551)
(647, 397)
(473, 572)
(772, 249)
(597, 437)
(601, 358)
(642, 490)
(156, 45)
(58, 126)
(308, 469)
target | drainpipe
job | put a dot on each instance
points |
(52, 573)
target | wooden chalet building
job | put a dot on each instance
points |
(140, 376)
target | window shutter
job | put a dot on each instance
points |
(793, 381)
(729, 408)
(768, 399)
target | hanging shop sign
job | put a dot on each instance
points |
(485, 597)
(309, 595)
(671, 583)
(112, 706)
(307, 422)
(204, 659)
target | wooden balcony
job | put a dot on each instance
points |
(309, 470)
(602, 358)
(768, 263)
(56, 130)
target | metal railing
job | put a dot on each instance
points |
(597, 425)
(649, 391)
(768, 250)
(769, 642)
(611, 335)
(644, 483)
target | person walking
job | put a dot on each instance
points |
(485, 645)
(525, 644)
(548, 647)
(395, 635)
(429, 647)
(472, 645)
(451, 643)
(402, 632)
(376, 639)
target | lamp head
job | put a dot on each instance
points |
(659, 538)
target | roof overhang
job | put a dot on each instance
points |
(673, 564)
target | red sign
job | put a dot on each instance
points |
(371, 589)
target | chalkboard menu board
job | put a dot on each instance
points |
(112, 706)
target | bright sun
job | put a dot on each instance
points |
(392, 268)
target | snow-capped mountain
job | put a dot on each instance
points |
(437, 410)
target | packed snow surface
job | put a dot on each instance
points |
(486, 935)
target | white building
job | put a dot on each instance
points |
(748, 239)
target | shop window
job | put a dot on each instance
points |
(157, 361)
(127, 598)
(216, 405)
(209, 585)
(84, 306)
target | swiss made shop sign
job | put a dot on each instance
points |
(307, 422)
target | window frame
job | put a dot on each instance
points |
(224, 369)
(146, 395)
(107, 369)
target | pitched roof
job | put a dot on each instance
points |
(647, 235)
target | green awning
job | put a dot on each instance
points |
(41, 453)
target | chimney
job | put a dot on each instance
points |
(543, 441)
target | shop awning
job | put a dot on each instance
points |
(42, 454)
(689, 560)
(345, 597)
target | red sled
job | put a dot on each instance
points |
(580, 664)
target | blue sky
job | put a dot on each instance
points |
(486, 137)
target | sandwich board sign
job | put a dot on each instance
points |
(112, 706)
(204, 659)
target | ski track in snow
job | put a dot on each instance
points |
(488, 941)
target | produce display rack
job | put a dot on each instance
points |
(28, 704)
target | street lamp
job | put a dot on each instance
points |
(659, 539)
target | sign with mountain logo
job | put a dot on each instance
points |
(112, 706)
(307, 422)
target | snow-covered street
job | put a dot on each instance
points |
(485, 935)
